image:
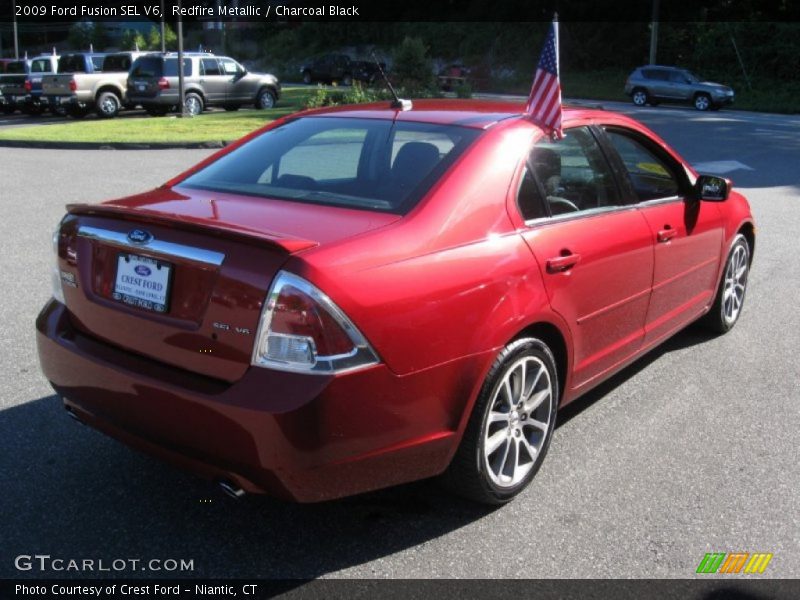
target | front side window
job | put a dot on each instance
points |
(574, 173)
(651, 176)
(229, 66)
(371, 164)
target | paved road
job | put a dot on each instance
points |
(693, 449)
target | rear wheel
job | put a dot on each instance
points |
(347, 79)
(728, 304)
(8, 109)
(511, 425)
(702, 101)
(640, 97)
(193, 104)
(306, 77)
(107, 105)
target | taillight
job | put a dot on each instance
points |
(58, 290)
(301, 329)
(27, 85)
(163, 83)
(73, 85)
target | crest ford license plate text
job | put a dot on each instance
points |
(142, 282)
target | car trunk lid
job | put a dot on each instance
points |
(208, 260)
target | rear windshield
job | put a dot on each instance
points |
(117, 63)
(369, 164)
(16, 67)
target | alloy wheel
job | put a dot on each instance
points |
(735, 284)
(640, 97)
(518, 421)
(193, 106)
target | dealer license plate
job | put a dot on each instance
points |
(142, 282)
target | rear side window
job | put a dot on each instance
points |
(209, 66)
(97, 62)
(657, 74)
(72, 63)
(171, 67)
(371, 164)
(117, 63)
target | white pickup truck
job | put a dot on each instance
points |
(90, 82)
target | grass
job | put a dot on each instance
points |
(208, 127)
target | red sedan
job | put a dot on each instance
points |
(353, 298)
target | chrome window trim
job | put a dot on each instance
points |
(117, 238)
(656, 201)
(583, 214)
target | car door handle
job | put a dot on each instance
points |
(666, 235)
(560, 264)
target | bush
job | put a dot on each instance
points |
(356, 94)
(464, 90)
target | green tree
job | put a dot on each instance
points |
(132, 39)
(412, 68)
(154, 38)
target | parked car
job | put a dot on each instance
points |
(21, 84)
(357, 297)
(340, 68)
(653, 84)
(453, 76)
(209, 81)
(91, 84)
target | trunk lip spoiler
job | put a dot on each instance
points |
(290, 245)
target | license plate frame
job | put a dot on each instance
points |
(130, 282)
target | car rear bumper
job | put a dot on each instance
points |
(300, 437)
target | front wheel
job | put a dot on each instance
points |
(702, 102)
(511, 425)
(728, 304)
(639, 97)
(265, 99)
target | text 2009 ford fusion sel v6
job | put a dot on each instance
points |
(358, 297)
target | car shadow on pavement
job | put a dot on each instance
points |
(693, 335)
(72, 493)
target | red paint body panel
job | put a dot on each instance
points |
(436, 293)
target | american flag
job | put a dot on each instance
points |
(544, 102)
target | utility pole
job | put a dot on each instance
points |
(163, 41)
(654, 33)
(16, 40)
(181, 106)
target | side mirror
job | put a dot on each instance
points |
(712, 188)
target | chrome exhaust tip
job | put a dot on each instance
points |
(72, 415)
(232, 490)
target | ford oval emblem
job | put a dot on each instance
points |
(140, 236)
(142, 270)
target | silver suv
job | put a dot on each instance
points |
(653, 84)
(208, 81)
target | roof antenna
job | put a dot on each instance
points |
(398, 102)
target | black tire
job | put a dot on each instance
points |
(640, 97)
(32, 110)
(193, 104)
(8, 109)
(107, 105)
(721, 318)
(471, 473)
(231, 107)
(156, 111)
(307, 77)
(347, 79)
(702, 102)
(265, 99)
(58, 110)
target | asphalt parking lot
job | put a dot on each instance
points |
(693, 449)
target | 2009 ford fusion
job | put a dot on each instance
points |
(358, 297)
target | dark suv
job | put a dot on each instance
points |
(340, 68)
(208, 81)
(653, 84)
